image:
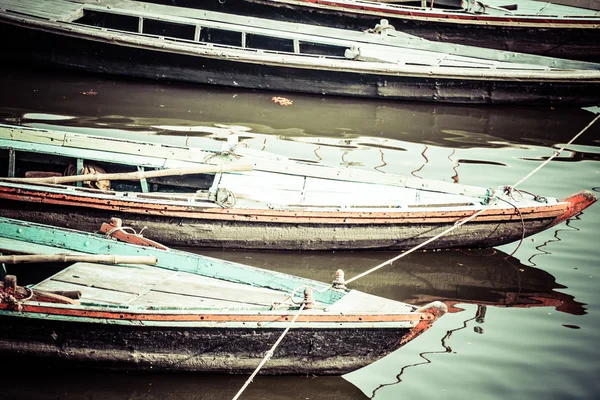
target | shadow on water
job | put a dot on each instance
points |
(89, 384)
(487, 277)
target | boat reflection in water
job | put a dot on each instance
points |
(486, 277)
(76, 384)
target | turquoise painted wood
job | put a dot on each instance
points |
(75, 152)
(70, 240)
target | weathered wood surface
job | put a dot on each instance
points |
(54, 10)
(316, 350)
(143, 286)
(293, 236)
(20, 236)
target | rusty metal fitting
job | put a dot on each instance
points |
(309, 301)
(339, 282)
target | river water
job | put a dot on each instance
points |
(521, 326)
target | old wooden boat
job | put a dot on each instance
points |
(143, 40)
(534, 27)
(103, 307)
(537, 27)
(184, 196)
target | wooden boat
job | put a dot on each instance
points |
(142, 40)
(536, 27)
(279, 204)
(185, 312)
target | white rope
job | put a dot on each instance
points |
(464, 221)
(453, 227)
(556, 153)
(269, 353)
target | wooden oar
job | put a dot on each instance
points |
(204, 169)
(98, 258)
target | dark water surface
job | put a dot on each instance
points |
(525, 326)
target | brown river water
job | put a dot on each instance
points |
(520, 326)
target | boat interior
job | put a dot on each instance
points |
(34, 161)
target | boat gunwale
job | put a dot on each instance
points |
(498, 213)
(147, 315)
(450, 16)
(297, 61)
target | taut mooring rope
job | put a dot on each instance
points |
(556, 153)
(269, 353)
(383, 264)
(464, 221)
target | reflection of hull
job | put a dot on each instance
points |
(74, 384)
(350, 119)
(485, 277)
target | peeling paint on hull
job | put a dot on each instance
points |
(135, 347)
(250, 235)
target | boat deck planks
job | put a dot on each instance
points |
(56, 10)
(146, 286)
(367, 303)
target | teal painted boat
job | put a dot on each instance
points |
(234, 198)
(109, 304)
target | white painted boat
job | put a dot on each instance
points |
(183, 196)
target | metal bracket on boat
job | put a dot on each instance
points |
(116, 230)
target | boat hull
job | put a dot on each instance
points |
(570, 38)
(77, 52)
(298, 234)
(134, 346)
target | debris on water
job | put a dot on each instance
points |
(282, 101)
(90, 92)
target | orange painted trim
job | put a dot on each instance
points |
(295, 216)
(577, 203)
(515, 21)
(115, 315)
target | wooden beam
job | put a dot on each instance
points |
(203, 169)
(69, 258)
